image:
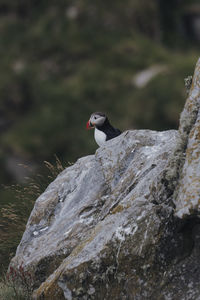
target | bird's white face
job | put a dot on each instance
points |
(96, 119)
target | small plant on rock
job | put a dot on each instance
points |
(17, 284)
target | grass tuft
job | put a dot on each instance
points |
(15, 212)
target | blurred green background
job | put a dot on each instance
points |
(62, 60)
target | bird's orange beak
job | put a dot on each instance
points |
(89, 125)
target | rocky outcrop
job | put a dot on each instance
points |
(188, 192)
(123, 223)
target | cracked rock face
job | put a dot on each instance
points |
(110, 227)
(188, 200)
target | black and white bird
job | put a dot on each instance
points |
(103, 130)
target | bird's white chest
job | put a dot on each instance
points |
(100, 137)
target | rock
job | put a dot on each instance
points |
(113, 225)
(188, 191)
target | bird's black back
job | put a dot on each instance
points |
(109, 130)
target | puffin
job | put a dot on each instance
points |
(103, 130)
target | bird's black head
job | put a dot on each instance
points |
(96, 119)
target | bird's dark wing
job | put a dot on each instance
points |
(109, 130)
(112, 132)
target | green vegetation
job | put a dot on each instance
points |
(16, 284)
(18, 202)
(8, 293)
(60, 61)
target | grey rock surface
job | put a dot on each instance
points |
(188, 199)
(116, 225)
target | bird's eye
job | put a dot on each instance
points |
(95, 118)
